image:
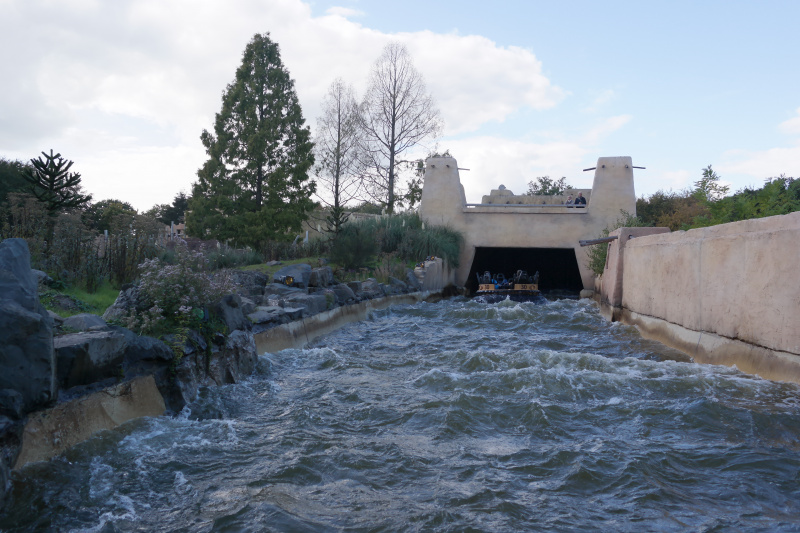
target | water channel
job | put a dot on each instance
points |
(449, 416)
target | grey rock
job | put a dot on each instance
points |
(412, 281)
(344, 294)
(12, 404)
(127, 301)
(396, 286)
(229, 311)
(267, 315)
(248, 305)
(248, 282)
(27, 358)
(42, 277)
(274, 263)
(300, 272)
(371, 289)
(84, 322)
(311, 304)
(17, 281)
(65, 302)
(356, 287)
(89, 356)
(281, 290)
(321, 277)
(57, 320)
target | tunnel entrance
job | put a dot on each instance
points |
(558, 267)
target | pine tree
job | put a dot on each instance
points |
(53, 184)
(255, 186)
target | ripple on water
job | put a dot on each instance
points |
(453, 416)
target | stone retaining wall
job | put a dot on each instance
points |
(727, 294)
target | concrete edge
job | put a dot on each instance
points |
(52, 431)
(710, 348)
(300, 333)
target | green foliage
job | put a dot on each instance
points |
(354, 246)
(254, 187)
(597, 253)
(53, 184)
(99, 216)
(706, 206)
(778, 196)
(673, 210)
(545, 186)
(404, 235)
(227, 257)
(368, 208)
(336, 218)
(708, 188)
(176, 294)
(12, 178)
(177, 211)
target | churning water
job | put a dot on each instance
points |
(454, 416)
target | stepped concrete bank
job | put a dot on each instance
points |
(301, 332)
(727, 294)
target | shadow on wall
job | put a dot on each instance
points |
(558, 267)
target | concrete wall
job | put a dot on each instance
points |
(526, 226)
(727, 294)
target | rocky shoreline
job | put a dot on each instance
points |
(61, 380)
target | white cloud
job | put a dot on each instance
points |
(344, 12)
(493, 161)
(759, 165)
(791, 126)
(124, 88)
(608, 126)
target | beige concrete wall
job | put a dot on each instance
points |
(50, 432)
(611, 288)
(526, 226)
(732, 290)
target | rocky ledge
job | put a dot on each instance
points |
(82, 364)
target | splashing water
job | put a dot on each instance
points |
(453, 416)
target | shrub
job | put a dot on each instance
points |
(354, 246)
(176, 294)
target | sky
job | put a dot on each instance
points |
(124, 88)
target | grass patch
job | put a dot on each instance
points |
(270, 270)
(73, 300)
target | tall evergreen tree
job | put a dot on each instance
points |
(53, 184)
(255, 185)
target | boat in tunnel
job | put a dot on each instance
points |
(557, 268)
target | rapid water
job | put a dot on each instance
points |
(454, 416)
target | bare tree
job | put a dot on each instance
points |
(398, 114)
(338, 152)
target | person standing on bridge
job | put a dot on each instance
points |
(569, 201)
(580, 201)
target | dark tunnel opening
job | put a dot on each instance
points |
(558, 267)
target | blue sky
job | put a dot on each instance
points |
(527, 88)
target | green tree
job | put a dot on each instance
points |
(708, 188)
(175, 212)
(52, 183)
(12, 178)
(101, 215)
(254, 186)
(546, 186)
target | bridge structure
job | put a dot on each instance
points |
(507, 232)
